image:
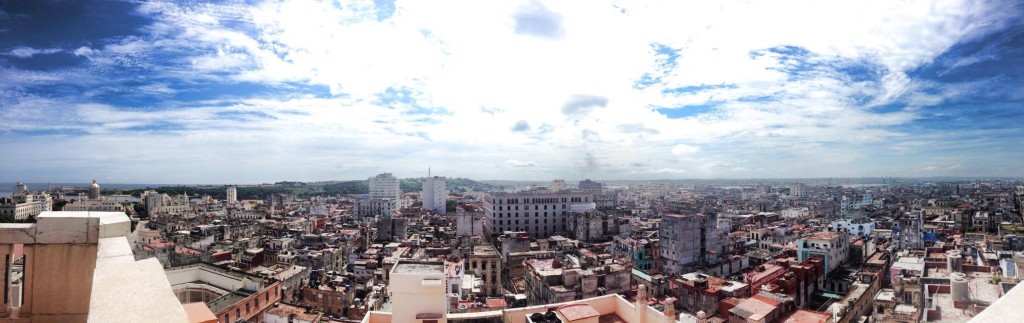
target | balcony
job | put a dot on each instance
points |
(79, 267)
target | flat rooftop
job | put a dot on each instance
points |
(980, 289)
(419, 268)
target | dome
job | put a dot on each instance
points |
(94, 184)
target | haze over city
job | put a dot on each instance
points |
(194, 92)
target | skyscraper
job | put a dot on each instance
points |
(232, 194)
(435, 194)
(384, 186)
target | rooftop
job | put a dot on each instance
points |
(408, 267)
(805, 316)
(578, 311)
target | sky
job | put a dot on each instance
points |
(263, 91)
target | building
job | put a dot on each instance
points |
(435, 194)
(471, 220)
(832, 246)
(485, 262)
(384, 186)
(541, 212)
(418, 292)
(860, 227)
(588, 185)
(367, 207)
(643, 253)
(607, 308)
(689, 242)
(392, 228)
(559, 185)
(230, 294)
(94, 205)
(23, 205)
(594, 225)
(797, 190)
(232, 194)
(162, 203)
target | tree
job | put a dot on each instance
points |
(450, 206)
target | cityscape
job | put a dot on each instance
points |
(527, 161)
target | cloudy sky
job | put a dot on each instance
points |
(248, 92)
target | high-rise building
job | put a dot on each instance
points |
(540, 212)
(232, 194)
(689, 242)
(384, 186)
(435, 194)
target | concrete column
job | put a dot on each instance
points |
(641, 303)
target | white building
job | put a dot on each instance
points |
(384, 186)
(435, 194)
(540, 212)
(418, 289)
(796, 213)
(832, 246)
(23, 205)
(858, 226)
(232, 194)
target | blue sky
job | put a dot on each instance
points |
(257, 91)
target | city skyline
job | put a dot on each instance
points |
(164, 92)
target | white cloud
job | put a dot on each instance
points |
(28, 52)
(684, 150)
(553, 81)
(519, 163)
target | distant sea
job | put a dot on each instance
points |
(7, 188)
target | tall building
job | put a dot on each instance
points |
(435, 194)
(689, 242)
(94, 191)
(232, 194)
(540, 212)
(384, 186)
